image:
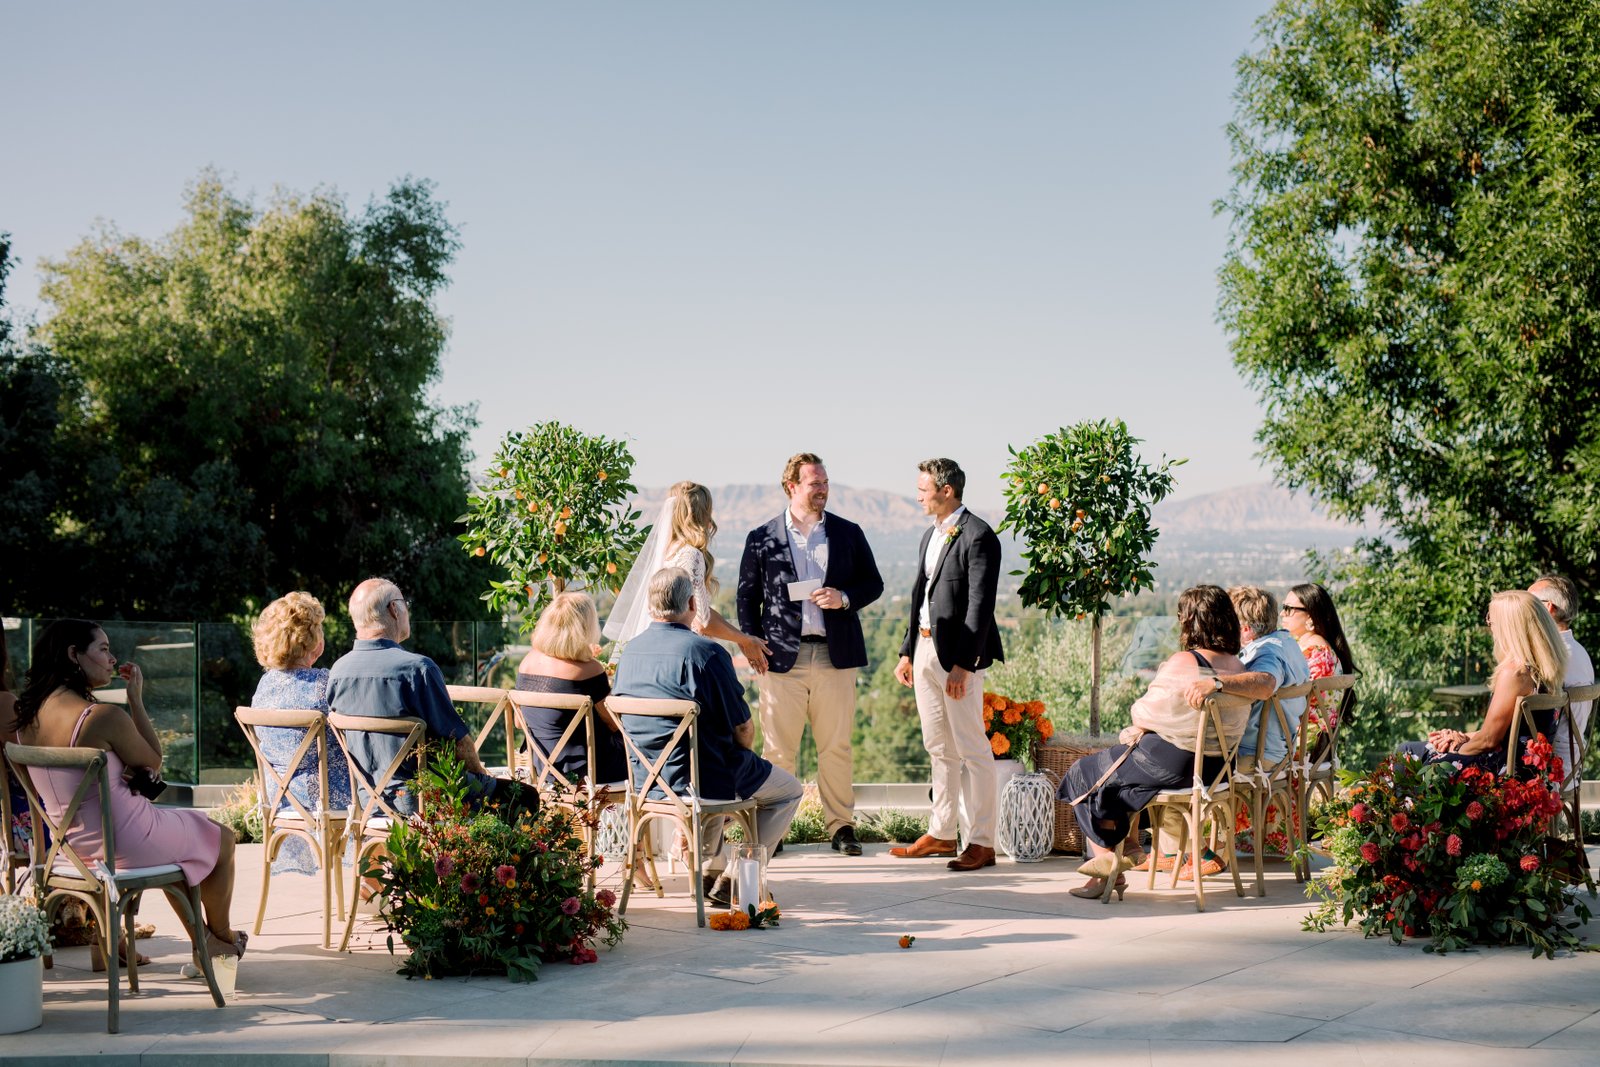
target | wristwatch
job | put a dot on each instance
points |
(844, 598)
(1216, 684)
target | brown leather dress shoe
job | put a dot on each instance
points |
(973, 858)
(926, 845)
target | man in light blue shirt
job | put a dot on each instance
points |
(1268, 650)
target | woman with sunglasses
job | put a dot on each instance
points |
(1308, 613)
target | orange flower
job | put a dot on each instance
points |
(1000, 745)
(739, 920)
(1001, 703)
(1011, 716)
(906, 940)
(1047, 729)
(988, 700)
(772, 906)
(1036, 708)
(719, 920)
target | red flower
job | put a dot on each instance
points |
(1399, 820)
(483, 898)
(1530, 863)
(570, 906)
(606, 898)
(469, 883)
(1358, 813)
(1474, 811)
(1452, 845)
(504, 873)
(1369, 852)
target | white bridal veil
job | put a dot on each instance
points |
(631, 613)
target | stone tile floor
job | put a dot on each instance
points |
(1007, 968)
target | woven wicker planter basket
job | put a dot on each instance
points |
(1055, 759)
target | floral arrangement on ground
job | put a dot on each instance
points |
(1461, 855)
(1015, 726)
(489, 892)
(751, 918)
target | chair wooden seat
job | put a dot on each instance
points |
(373, 814)
(61, 871)
(322, 829)
(1270, 784)
(682, 806)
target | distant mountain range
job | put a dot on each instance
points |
(1251, 533)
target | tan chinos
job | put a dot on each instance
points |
(814, 691)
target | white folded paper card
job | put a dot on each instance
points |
(803, 590)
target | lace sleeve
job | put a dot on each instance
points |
(692, 560)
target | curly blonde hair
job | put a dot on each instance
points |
(288, 629)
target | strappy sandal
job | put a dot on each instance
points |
(1095, 888)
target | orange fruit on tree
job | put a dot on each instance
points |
(480, 550)
(543, 556)
(611, 568)
(566, 513)
(1044, 487)
(533, 506)
(561, 529)
(1055, 504)
(601, 475)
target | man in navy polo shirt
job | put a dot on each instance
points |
(379, 678)
(670, 660)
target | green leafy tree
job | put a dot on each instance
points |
(257, 388)
(1080, 498)
(43, 454)
(553, 511)
(1413, 286)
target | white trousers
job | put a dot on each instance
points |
(963, 762)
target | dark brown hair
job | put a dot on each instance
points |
(945, 472)
(52, 668)
(1206, 619)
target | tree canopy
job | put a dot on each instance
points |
(256, 387)
(1413, 282)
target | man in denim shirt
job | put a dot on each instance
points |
(670, 660)
(378, 678)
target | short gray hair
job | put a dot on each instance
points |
(368, 601)
(1560, 594)
(670, 589)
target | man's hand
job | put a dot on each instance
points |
(955, 686)
(902, 672)
(827, 598)
(1199, 690)
(468, 754)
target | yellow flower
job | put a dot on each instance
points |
(489, 910)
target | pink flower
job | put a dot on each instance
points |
(1369, 852)
(1358, 812)
(469, 883)
(606, 898)
(1474, 811)
(1530, 863)
(1399, 820)
(570, 906)
(443, 866)
(1452, 845)
(505, 873)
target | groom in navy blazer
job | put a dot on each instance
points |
(816, 642)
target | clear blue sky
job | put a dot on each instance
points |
(728, 231)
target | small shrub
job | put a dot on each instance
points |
(810, 824)
(241, 813)
(891, 824)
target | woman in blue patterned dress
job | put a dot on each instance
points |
(288, 640)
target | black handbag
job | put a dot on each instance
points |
(146, 783)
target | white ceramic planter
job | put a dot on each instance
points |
(21, 995)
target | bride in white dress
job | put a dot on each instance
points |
(680, 537)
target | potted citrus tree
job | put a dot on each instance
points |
(24, 941)
(1080, 500)
(552, 511)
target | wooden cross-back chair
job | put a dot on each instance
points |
(372, 813)
(583, 793)
(685, 807)
(1270, 784)
(61, 871)
(501, 717)
(1523, 717)
(1317, 770)
(286, 817)
(16, 859)
(1574, 757)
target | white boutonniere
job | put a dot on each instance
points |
(952, 533)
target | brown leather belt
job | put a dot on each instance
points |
(925, 633)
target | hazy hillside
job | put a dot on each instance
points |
(1256, 533)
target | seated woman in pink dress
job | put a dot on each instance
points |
(57, 708)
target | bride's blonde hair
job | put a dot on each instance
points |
(692, 524)
(1525, 636)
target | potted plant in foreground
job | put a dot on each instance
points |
(24, 940)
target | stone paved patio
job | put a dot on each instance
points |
(1007, 969)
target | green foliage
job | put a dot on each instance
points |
(1457, 856)
(891, 824)
(553, 511)
(1413, 285)
(241, 813)
(256, 386)
(1080, 499)
(1049, 660)
(809, 824)
(472, 893)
